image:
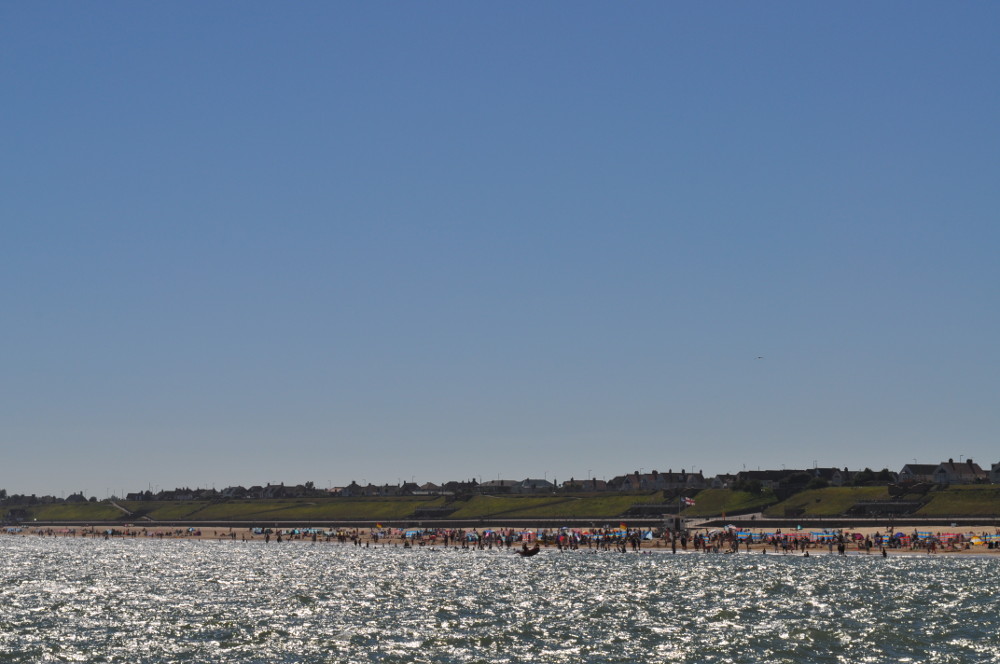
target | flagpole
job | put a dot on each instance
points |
(679, 500)
(677, 521)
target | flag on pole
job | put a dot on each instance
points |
(689, 502)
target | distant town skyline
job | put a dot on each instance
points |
(989, 472)
(260, 242)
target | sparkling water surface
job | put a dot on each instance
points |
(90, 600)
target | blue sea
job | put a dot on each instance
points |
(135, 600)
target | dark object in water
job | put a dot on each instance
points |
(526, 552)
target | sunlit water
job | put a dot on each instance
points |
(187, 601)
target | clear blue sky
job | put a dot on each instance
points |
(246, 242)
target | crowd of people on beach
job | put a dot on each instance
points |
(620, 539)
(731, 540)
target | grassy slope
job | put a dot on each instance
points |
(83, 512)
(713, 502)
(976, 500)
(832, 501)
(597, 507)
(263, 510)
(972, 500)
(500, 506)
(568, 507)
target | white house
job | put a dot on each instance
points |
(968, 472)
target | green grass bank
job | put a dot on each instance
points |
(959, 501)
